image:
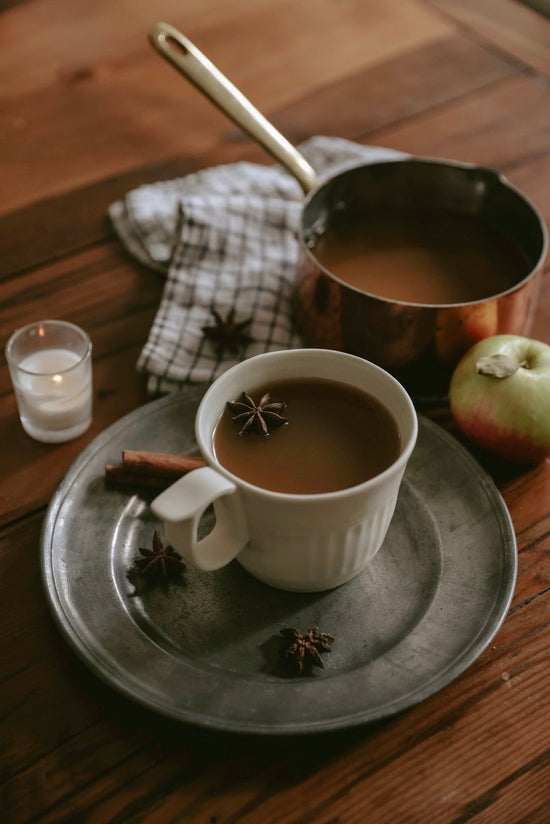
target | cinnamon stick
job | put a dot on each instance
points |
(160, 463)
(151, 469)
(117, 474)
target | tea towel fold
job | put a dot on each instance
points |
(226, 239)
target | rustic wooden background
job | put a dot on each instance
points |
(88, 112)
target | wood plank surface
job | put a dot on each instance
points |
(130, 108)
(88, 113)
(508, 25)
(463, 67)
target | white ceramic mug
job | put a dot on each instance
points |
(304, 543)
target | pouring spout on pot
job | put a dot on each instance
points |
(187, 59)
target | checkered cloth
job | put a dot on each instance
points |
(226, 238)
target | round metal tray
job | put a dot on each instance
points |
(205, 650)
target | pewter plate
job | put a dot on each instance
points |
(205, 650)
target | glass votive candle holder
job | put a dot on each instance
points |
(50, 364)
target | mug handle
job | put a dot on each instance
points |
(181, 506)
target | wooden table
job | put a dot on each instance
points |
(89, 112)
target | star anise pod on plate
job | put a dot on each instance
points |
(227, 333)
(303, 652)
(261, 417)
(160, 561)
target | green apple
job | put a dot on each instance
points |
(500, 397)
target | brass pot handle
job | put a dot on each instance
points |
(184, 56)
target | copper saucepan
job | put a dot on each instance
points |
(419, 343)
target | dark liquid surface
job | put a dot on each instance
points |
(336, 437)
(429, 256)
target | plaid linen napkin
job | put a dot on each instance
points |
(226, 239)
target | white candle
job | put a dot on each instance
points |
(54, 393)
(51, 369)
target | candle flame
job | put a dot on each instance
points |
(57, 378)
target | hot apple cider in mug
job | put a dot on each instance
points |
(324, 436)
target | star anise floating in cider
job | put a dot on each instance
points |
(227, 333)
(302, 652)
(260, 417)
(160, 561)
(337, 436)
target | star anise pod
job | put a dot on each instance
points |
(302, 652)
(160, 561)
(260, 418)
(227, 333)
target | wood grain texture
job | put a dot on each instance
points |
(94, 114)
(127, 107)
(508, 25)
(78, 217)
(514, 113)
